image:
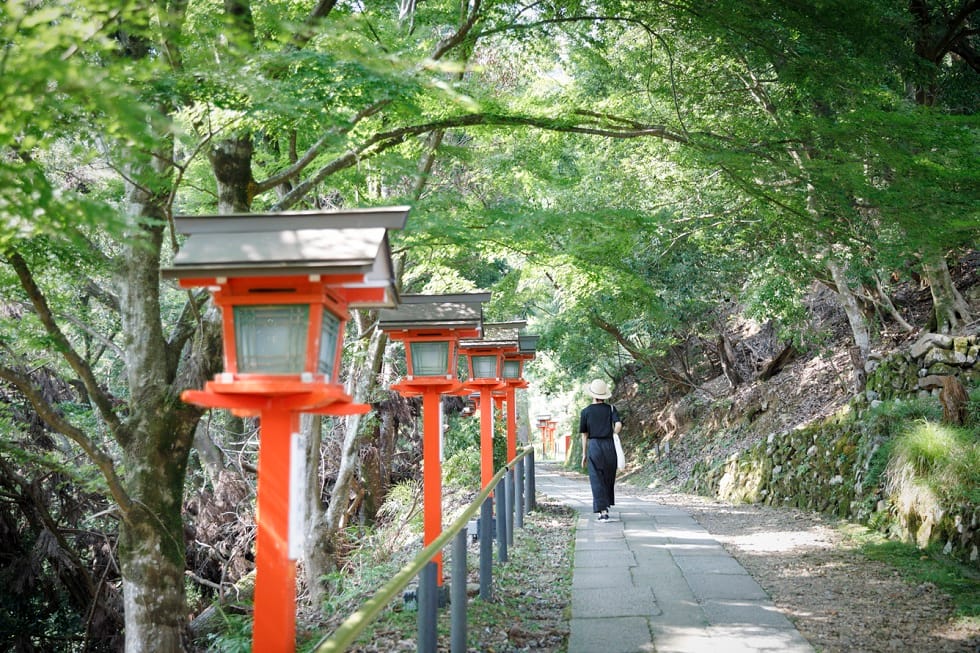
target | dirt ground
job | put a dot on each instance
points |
(838, 599)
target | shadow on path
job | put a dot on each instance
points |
(652, 579)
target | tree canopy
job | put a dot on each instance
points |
(614, 172)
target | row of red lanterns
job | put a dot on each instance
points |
(285, 283)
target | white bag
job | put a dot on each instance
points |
(620, 456)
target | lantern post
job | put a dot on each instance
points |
(485, 358)
(431, 327)
(284, 283)
(543, 421)
(513, 375)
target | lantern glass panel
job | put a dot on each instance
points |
(430, 358)
(512, 369)
(271, 339)
(484, 367)
(328, 343)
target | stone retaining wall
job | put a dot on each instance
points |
(916, 370)
(836, 467)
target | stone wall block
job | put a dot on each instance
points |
(937, 355)
(930, 341)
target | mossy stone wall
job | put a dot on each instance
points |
(837, 466)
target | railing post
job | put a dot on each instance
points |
(519, 494)
(509, 485)
(428, 601)
(529, 502)
(486, 549)
(501, 494)
(457, 601)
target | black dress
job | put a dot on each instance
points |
(596, 420)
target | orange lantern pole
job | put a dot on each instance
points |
(275, 576)
(486, 374)
(484, 365)
(283, 310)
(431, 326)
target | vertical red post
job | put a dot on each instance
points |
(432, 472)
(511, 399)
(486, 435)
(275, 574)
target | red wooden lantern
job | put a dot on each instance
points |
(284, 283)
(485, 362)
(431, 327)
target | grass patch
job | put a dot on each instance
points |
(531, 592)
(918, 566)
(945, 460)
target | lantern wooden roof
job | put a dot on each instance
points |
(497, 335)
(458, 312)
(350, 247)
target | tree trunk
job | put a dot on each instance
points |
(157, 436)
(951, 310)
(318, 553)
(886, 301)
(726, 354)
(231, 162)
(372, 478)
(364, 370)
(318, 556)
(855, 317)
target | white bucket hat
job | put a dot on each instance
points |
(599, 389)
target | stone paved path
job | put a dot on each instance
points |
(653, 580)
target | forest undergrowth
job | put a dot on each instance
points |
(528, 610)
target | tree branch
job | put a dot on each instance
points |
(314, 150)
(637, 354)
(460, 34)
(53, 418)
(322, 8)
(77, 363)
(382, 141)
(190, 320)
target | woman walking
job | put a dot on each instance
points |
(597, 423)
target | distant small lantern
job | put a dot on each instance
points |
(514, 360)
(430, 357)
(484, 364)
(512, 368)
(493, 357)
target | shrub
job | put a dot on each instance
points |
(944, 460)
(462, 469)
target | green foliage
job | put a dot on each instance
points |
(772, 295)
(944, 458)
(791, 136)
(893, 416)
(462, 469)
(973, 410)
(462, 449)
(236, 636)
(403, 503)
(949, 577)
(58, 102)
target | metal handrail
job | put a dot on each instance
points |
(361, 618)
